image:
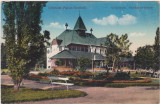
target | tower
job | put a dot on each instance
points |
(80, 27)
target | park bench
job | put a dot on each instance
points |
(53, 79)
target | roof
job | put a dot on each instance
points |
(71, 36)
(101, 41)
(79, 24)
(69, 54)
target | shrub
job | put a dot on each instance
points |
(83, 62)
(43, 74)
(54, 72)
(129, 73)
(121, 76)
(83, 75)
(59, 62)
(67, 73)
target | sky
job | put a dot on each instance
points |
(137, 19)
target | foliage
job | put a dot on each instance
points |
(43, 74)
(83, 75)
(27, 94)
(72, 73)
(3, 56)
(139, 74)
(59, 62)
(83, 62)
(116, 47)
(24, 42)
(121, 76)
(144, 57)
(157, 50)
(122, 85)
(5, 70)
(54, 72)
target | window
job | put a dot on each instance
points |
(78, 48)
(100, 51)
(86, 49)
(82, 49)
(95, 51)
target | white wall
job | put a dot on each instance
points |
(51, 51)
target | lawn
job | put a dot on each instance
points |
(28, 94)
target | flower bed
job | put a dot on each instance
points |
(72, 73)
(36, 76)
(88, 77)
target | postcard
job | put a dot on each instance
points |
(80, 52)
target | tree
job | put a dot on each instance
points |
(83, 63)
(3, 56)
(144, 57)
(157, 50)
(59, 62)
(24, 42)
(116, 47)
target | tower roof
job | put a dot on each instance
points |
(79, 24)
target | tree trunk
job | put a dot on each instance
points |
(17, 84)
(16, 87)
(113, 65)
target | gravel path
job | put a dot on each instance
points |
(99, 95)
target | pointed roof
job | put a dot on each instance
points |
(79, 24)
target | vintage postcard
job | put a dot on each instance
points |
(80, 52)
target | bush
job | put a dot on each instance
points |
(27, 94)
(54, 72)
(83, 63)
(83, 75)
(121, 76)
(59, 62)
(129, 73)
(43, 74)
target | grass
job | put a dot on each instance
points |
(5, 70)
(28, 94)
(115, 85)
(139, 74)
(122, 85)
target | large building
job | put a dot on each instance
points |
(73, 44)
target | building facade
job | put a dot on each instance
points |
(73, 44)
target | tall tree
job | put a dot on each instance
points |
(116, 47)
(144, 57)
(24, 42)
(157, 50)
(3, 56)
